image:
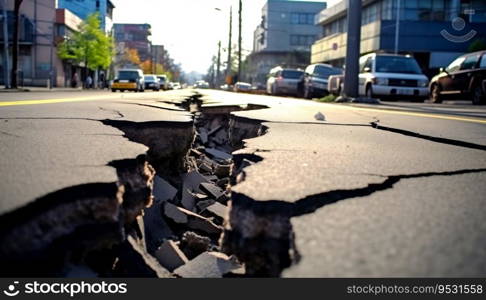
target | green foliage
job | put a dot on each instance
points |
(477, 45)
(89, 45)
(328, 99)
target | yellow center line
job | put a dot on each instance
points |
(415, 114)
(60, 100)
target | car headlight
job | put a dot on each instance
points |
(423, 83)
(381, 81)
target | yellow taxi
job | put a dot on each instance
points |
(129, 80)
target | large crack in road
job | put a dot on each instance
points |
(101, 225)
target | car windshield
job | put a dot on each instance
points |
(289, 74)
(397, 64)
(127, 75)
(150, 78)
(161, 79)
(325, 72)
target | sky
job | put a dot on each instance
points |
(191, 29)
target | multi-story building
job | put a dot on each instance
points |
(133, 36)
(83, 8)
(433, 31)
(284, 36)
(37, 51)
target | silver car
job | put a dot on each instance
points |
(284, 81)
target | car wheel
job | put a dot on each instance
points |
(307, 93)
(123, 91)
(435, 96)
(274, 90)
(113, 90)
(478, 96)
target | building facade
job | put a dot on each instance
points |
(37, 50)
(83, 8)
(133, 36)
(425, 30)
(284, 37)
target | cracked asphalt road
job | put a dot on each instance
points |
(366, 202)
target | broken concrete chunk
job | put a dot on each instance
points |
(163, 191)
(208, 265)
(192, 181)
(203, 135)
(212, 190)
(134, 261)
(217, 209)
(188, 201)
(202, 205)
(192, 220)
(223, 183)
(174, 213)
(204, 167)
(320, 117)
(222, 171)
(156, 229)
(193, 244)
(215, 130)
(170, 256)
(218, 154)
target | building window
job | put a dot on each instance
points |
(302, 18)
(302, 40)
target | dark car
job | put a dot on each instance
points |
(464, 78)
(316, 80)
(152, 83)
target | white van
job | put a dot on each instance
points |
(392, 76)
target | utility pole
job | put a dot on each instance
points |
(15, 50)
(397, 27)
(228, 67)
(218, 68)
(240, 8)
(351, 74)
(6, 67)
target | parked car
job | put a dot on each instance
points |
(284, 81)
(316, 78)
(164, 82)
(152, 83)
(392, 76)
(129, 80)
(242, 87)
(201, 84)
(176, 86)
(464, 78)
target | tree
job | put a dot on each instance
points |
(477, 45)
(15, 49)
(89, 45)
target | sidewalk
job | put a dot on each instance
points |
(38, 89)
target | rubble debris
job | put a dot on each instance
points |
(193, 244)
(222, 171)
(188, 201)
(192, 220)
(156, 229)
(134, 261)
(209, 265)
(203, 135)
(212, 190)
(202, 205)
(172, 212)
(218, 154)
(163, 191)
(320, 117)
(217, 209)
(170, 256)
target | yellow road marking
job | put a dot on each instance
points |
(415, 114)
(60, 100)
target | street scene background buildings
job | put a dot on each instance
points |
(291, 34)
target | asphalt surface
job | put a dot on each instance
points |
(422, 216)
